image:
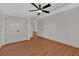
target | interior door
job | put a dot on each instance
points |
(15, 30)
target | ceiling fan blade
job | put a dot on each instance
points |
(32, 10)
(34, 5)
(45, 11)
(48, 5)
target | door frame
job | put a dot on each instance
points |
(3, 31)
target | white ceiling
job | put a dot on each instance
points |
(21, 9)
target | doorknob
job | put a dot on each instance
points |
(18, 30)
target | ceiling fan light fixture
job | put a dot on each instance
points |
(39, 11)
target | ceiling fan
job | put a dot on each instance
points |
(40, 9)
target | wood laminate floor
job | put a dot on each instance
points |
(40, 47)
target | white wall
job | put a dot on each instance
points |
(63, 27)
(0, 28)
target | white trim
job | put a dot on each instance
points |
(35, 26)
(29, 29)
(3, 30)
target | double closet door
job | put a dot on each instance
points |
(16, 29)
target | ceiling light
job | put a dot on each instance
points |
(39, 11)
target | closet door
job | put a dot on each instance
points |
(16, 29)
